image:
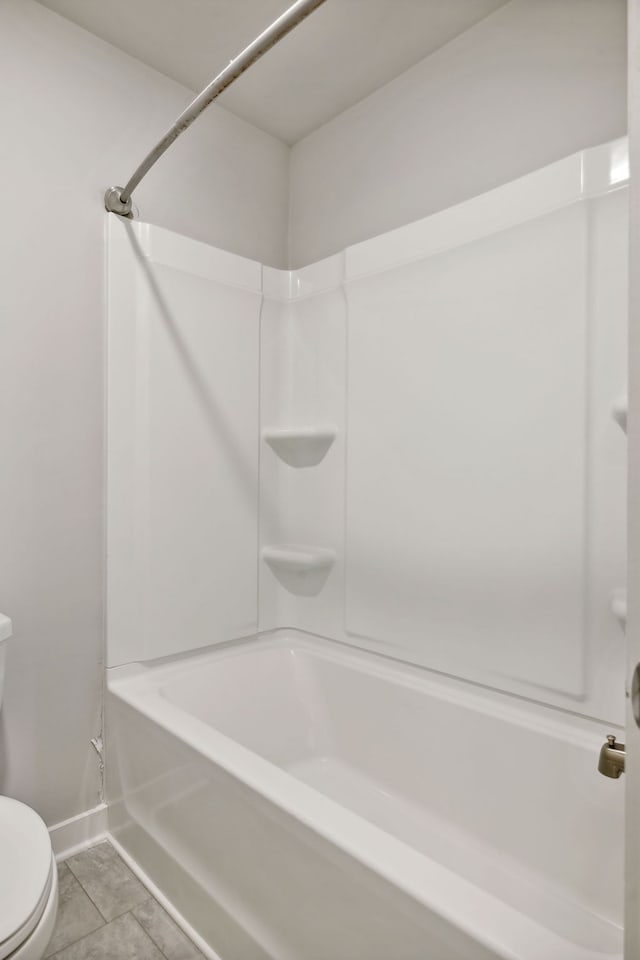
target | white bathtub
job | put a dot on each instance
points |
(299, 800)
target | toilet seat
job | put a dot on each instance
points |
(26, 873)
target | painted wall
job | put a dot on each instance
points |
(534, 82)
(78, 114)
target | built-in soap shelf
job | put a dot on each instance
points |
(619, 606)
(298, 559)
(300, 446)
(301, 570)
(619, 411)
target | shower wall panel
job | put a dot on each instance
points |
(466, 476)
(473, 499)
(303, 368)
(183, 443)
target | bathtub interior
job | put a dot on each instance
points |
(461, 777)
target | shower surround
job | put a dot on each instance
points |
(405, 456)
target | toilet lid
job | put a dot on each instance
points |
(25, 872)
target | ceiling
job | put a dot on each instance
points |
(340, 54)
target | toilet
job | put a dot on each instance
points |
(28, 875)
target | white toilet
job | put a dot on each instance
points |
(28, 875)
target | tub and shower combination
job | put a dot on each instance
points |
(391, 776)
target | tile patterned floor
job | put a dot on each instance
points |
(105, 913)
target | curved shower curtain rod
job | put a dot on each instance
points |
(118, 199)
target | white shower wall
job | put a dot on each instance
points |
(439, 474)
(303, 338)
(183, 355)
(474, 496)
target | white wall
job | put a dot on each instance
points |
(77, 115)
(535, 81)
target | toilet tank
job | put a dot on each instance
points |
(5, 632)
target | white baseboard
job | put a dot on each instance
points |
(78, 833)
(202, 945)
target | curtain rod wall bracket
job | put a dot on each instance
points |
(113, 203)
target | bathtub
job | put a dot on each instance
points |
(297, 799)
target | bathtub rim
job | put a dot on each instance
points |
(481, 916)
(520, 711)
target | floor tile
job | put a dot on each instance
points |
(166, 934)
(77, 915)
(122, 939)
(107, 880)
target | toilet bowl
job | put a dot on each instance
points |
(28, 874)
(28, 883)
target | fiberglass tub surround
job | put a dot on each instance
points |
(297, 798)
